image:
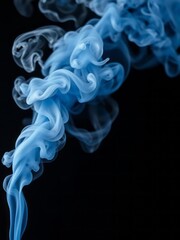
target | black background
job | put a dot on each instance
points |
(128, 188)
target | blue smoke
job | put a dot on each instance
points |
(84, 68)
(76, 79)
(151, 25)
(57, 11)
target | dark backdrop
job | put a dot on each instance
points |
(128, 188)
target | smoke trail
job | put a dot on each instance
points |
(85, 67)
(57, 11)
(28, 48)
(63, 10)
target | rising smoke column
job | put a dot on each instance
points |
(86, 66)
(76, 78)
